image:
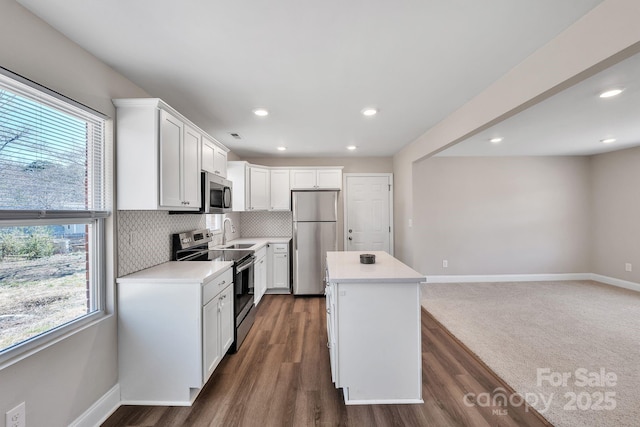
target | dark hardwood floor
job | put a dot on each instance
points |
(281, 377)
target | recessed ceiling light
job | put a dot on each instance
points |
(608, 140)
(369, 112)
(281, 148)
(351, 147)
(611, 92)
(260, 112)
(496, 140)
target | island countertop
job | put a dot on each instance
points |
(345, 267)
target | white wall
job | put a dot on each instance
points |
(60, 382)
(616, 214)
(502, 215)
(607, 34)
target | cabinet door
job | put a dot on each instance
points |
(171, 133)
(280, 190)
(329, 179)
(191, 166)
(212, 352)
(332, 343)
(220, 162)
(260, 286)
(208, 155)
(226, 319)
(302, 179)
(259, 188)
(280, 270)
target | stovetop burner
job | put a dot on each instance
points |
(194, 246)
(227, 255)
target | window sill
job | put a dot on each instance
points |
(30, 347)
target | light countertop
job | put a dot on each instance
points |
(345, 267)
(178, 272)
(259, 241)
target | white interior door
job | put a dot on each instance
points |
(368, 202)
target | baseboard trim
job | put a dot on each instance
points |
(100, 410)
(495, 278)
(508, 278)
(616, 282)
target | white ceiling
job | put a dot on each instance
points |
(313, 65)
(572, 122)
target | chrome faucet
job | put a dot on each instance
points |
(224, 229)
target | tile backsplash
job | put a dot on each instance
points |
(144, 237)
(266, 224)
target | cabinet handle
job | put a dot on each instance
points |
(328, 310)
(223, 282)
(328, 344)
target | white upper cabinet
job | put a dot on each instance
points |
(263, 188)
(159, 157)
(214, 158)
(259, 189)
(303, 179)
(329, 179)
(250, 186)
(220, 162)
(280, 190)
(316, 179)
(191, 165)
(171, 143)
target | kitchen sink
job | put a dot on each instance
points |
(238, 246)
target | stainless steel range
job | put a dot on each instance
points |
(194, 246)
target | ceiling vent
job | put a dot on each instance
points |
(235, 135)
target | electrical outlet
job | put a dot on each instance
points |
(16, 417)
(445, 263)
(628, 267)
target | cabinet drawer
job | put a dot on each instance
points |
(261, 253)
(214, 287)
(280, 247)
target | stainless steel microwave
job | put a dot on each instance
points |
(216, 194)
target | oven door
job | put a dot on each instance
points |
(243, 284)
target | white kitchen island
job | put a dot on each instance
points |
(374, 329)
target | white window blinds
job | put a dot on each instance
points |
(51, 155)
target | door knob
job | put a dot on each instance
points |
(350, 231)
(350, 238)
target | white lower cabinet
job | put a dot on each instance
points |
(217, 330)
(260, 275)
(278, 255)
(171, 337)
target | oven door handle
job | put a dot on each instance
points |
(190, 256)
(247, 264)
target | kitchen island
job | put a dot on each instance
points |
(374, 328)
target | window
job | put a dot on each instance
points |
(52, 214)
(214, 223)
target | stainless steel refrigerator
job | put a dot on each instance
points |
(314, 233)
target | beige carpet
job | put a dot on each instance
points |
(574, 328)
